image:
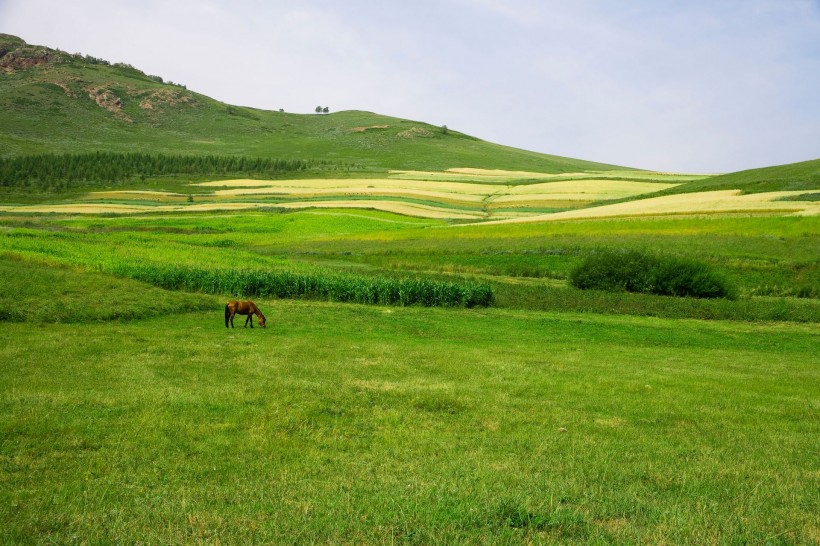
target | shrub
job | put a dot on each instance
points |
(640, 271)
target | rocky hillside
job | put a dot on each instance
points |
(15, 54)
(110, 86)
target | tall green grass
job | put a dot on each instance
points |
(319, 285)
(175, 266)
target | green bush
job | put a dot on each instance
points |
(644, 272)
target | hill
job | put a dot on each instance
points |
(55, 102)
(792, 177)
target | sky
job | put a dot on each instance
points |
(700, 86)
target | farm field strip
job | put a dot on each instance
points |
(455, 200)
(352, 192)
(709, 203)
(397, 207)
(629, 173)
(108, 208)
(524, 177)
(593, 188)
(314, 184)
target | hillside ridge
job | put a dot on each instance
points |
(57, 102)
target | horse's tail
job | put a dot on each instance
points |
(227, 315)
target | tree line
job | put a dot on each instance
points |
(63, 171)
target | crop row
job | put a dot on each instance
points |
(320, 285)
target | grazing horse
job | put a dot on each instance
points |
(243, 308)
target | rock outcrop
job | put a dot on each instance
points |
(15, 54)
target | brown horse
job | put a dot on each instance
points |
(243, 308)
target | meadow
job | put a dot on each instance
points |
(764, 256)
(429, 374)
(130, 414)
(351, 424)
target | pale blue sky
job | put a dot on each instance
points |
(697, 86)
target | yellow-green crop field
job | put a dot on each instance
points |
(456, 194)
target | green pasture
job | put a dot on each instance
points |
(795, 176)
(129, 413)
(529, 263)
(40, 294)
(354, 424)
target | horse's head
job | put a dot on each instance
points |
(262, 320)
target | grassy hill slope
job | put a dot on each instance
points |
(54, 102)
(794, 176)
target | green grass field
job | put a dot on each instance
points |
(544, 415)
(343, 424)
(129, 413)
(770, 256)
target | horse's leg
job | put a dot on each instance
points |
(232, 315)
(250, 318)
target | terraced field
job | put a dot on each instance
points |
(709, 203)
(455, 194)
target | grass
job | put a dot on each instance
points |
(792, 177)
(553, 417)
(762, 256)
(32, 292)
(547, 296)
(366, 424)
